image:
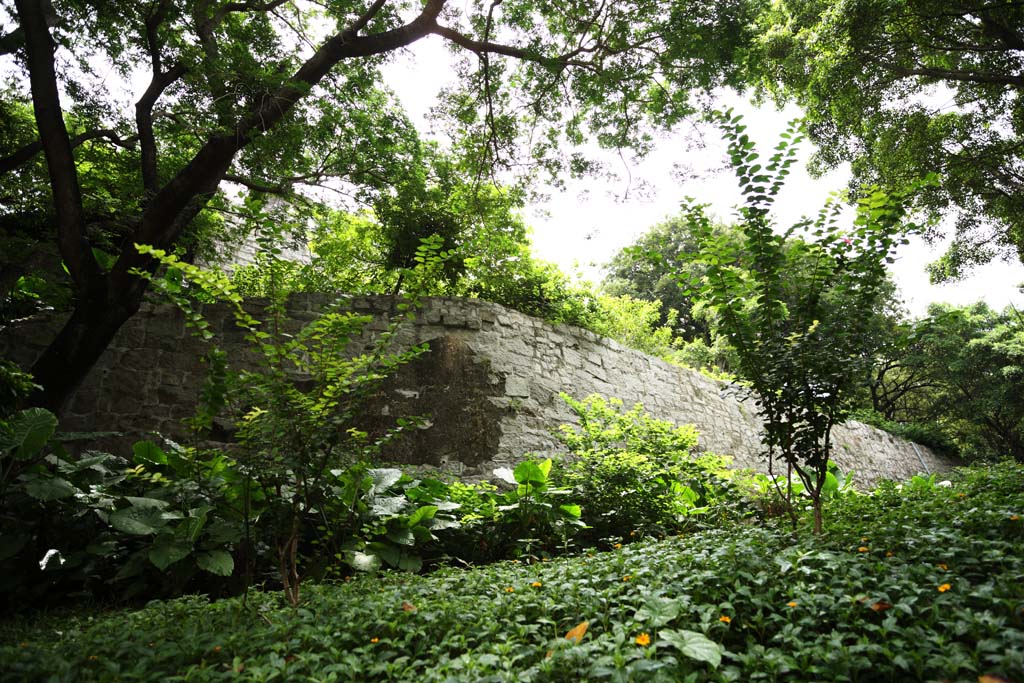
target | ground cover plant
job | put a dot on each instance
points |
(919, 582)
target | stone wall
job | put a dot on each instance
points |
(490, 384)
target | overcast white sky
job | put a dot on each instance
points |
(581, 228)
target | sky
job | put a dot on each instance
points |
(582, 227)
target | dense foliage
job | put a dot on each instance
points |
(919, 582)
(269, 119)
(956, 374)
(635, 475)
(903, 88)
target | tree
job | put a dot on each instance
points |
(797, 313)
(224, 74)
(649, 269)
(902, 88)
(973, 358)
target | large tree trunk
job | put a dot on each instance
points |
(79, 345)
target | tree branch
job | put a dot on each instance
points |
(367, 16)
(229, 7)
(484, 46)
(199, 179)
(12, 42)
(159, 81)
(962, 76)
(19, 157)
(60, 159)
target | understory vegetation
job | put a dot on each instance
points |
(270, 538)
(912, 582)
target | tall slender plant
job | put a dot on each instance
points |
(796, 303)
(297, 411)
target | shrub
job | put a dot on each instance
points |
(633, 474)
(797, 313)
(530, 519)
(297, 416)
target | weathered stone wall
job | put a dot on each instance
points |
(490, 384)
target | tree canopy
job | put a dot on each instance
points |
(902, 88)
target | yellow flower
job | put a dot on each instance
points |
(617, 546)
(510, 589)
(791, 603)
(627, 577)
(864, 539)
(374, 640)
(888, 553)
(725, 619)
(536, 584)
(863, 549)
(1014, 518)
(643, 640)
(942, 566)
(944, 587)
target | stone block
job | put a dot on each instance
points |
(517, 387)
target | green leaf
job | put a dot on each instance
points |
(217, 562)
(94, 462)
(49, 488)
(386, 552)
(383, 479)
(137, 521)
(192, 526)
(29, 431)
(222, 532)
(694, 645)
(424, 513)
(147, 503)
(658, 611)
(386, 506)
(167, 550)
(531, 472)
(148, 453)
(571, 510)
(401, 536)
(410, 562)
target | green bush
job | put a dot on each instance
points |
(99, 527)
(634, 475)
(529, 519)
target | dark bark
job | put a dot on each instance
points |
(60, 160)
(80, 343)
(24, 154)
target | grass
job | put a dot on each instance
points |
(924, 584)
